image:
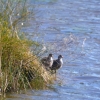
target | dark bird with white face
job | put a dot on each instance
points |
(47, 61)
(57, 63)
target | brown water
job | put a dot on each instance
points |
(71, 28)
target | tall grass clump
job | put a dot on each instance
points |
(20, 68)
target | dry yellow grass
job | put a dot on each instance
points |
(21, 69)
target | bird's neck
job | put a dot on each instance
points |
(50, 58)
(60, 60)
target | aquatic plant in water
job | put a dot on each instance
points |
(20, 68)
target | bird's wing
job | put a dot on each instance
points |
(54, 63)
(45, 62)
(44, 59)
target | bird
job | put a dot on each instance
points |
(47, 61)
(57, 63)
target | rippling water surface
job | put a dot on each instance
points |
(73, 28)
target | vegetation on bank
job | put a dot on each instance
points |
(20, 68)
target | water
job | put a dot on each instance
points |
(71, 27)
